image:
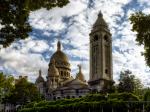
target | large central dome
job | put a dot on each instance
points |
(61, 63)
(60, 56)
(61, 59)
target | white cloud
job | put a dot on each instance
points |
(143, 2)
(21, 62)
(146, 11)
(77, 35)
(52, 20)
(130, 55)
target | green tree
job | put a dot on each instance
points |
(129, 83)
(6, 85)
(147, 95)
(141, 25)
(24, 92)
(14, 17)
(138, 87)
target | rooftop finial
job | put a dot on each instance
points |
(58, 45)
(100, 14)
(40, 73)
(79, 68)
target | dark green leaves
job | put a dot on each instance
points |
(14, 17)
(129, 83)
(141, 25)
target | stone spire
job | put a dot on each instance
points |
(79, 68)
(58, 46)
(80, 75)
(40, 78)
(100, 21)
(100, 14)
(40, 73)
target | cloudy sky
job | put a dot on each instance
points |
(72, 25)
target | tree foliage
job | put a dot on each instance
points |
(24, 92)
(147, 95)
(141, 25)
(14, 17)
(89, 103)
(6, 85)
(129, 83)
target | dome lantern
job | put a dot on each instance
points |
(58, 46)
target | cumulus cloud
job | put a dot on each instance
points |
(74, 23)
(18, 60)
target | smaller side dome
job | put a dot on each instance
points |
(80, 75)
(53, 71)
(40, 78)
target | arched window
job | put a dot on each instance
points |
(95, 37)
(62, 92)
(77, 91)
(68, 97)
(61, 73)
(106, 38)
(106, 71)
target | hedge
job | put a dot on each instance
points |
(90, 103)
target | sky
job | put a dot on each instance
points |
(72, 25)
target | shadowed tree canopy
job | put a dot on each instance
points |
(23, 92)
(14, 15)
(129, 83)
(6, 85)
(141, 25)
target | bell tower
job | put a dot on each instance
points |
(101, 76)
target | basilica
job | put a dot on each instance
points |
(60, 84)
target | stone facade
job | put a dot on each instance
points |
(100, 55)
(59, 82)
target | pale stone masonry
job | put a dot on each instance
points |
(101, 75)
(59, 82)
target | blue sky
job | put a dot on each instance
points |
(72, 25)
